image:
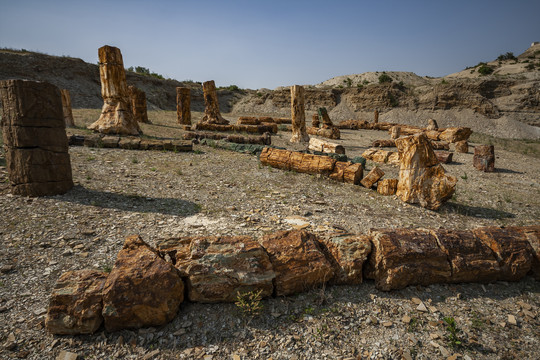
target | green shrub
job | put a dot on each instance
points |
(384, 78)
(485, 70)
(507, 56)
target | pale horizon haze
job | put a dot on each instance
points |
(256, 44)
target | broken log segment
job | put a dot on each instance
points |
(372, 177)
(383, 143)
(252, 129)
(264, 139)
(382, 156)
(387, 186)
(444, 157)
(330, 133)
(325, 146)
(299, 133)
(484, 158)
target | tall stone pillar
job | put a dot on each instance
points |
(116, 114)
(211, 105)
(138, 104)
(299, 133)
(35, 138)
(66, 108)
(376, 116)
(183, 105)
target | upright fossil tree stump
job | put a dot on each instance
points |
(299, 133)
(323, 115)
(315, 121)
(484, 158)
(116, 114)
(183, 105)
(35, 138)
(66, 108)
(211, 105)
(138, 104)
(376, 116)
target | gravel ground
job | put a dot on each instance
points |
(212, 191)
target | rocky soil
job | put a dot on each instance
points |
(212, 191)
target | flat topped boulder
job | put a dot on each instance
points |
(142, 288)
(76, 303)
(422, 179)
(117, 113)
(218, 268)
(297, 260)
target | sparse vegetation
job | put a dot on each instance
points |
(249, 303)
(485, 69)
(454, 339)
(144, 71)
(384, 78)
(507, 56)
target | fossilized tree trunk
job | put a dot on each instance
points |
(138, 104)
(183, 105)
(376, 116)
(325, 146)
(484, 158)
(323, 114)
(299, 133)
(422, 178)
(117, 114)
(66, 108)
(35, 138)
(211, 105)
(395, 132)
(315, 121)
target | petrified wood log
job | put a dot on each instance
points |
(330, 133)
(325, 146)
(138, 104)
(35, 140)
(347, 172)
(439, 145)
(433, 135)
(376, 116)
(462, 146)
(76, 303)
(384, 143)
(484, 158)
(444, 157)
(298, 262)
(422, 178)
(532, 234)
(347, 254)
(116, 114)
(142, 288)
(395, 132)
(298, 115)
(248, 120)
(372, 177)
(218, 268)
(382, 156)
(66, 108)
(455, 134)
(315, 122)
(323, 115)
(183, 105)
(211, 105)
(404, 257)
(264, 139)
(252, 129)
(387, 186)
(353, 124)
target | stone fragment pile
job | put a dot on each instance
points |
(146, 285)
(35, 140)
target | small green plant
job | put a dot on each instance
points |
(88, 177)
(464, 176)
(153, 169)
(443, 81)
(90, 158)
(454, 339)
(249, 303)
(134, 161)
(477, 322)
(179, 172)
(485, 70)
(413, 325)
(197, 151)
(348, 82)
(384, 78)
(365, 82)
(507, 56)
(106, 268)
(310, 310)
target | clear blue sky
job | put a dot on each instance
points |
(257, 43)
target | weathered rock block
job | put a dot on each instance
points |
(511, 248)
(532, 233)
(484, 158)
(325, 146)
(382, 156)
(66, 108)
(462, 146)
(395, 132)
(34, 135)
(347, 254)
(372, 177)
(183, 105)
(383, 143)
(455, 134)
(76, 303)
(444, 157)
(387, 186)
(298, 115)
(142, 288)
(117, 113)
(217, 269)
(432, 125)
(470, 258)
(421, 178)
(312, 164)
(330, 133)
(347, 172)
(403, 257)
(315, 122)
(297, 260)
(138, 104)
(212, 115)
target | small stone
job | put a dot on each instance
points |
(406, 319)
(421, 307)
(416, 300)
(434, 344)
(453, 357)
(512, 320)
(529, 314)
(524, 305)
(4, 269)
(433, 309)
(387, 324)
(10, 343)
(236, 357)
(151, 355)
(66, 355)
(407, 356)
(434, 336)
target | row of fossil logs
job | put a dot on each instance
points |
(130, 143)
(146, 285)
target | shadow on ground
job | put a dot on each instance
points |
(476, 211)
(131, 202)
